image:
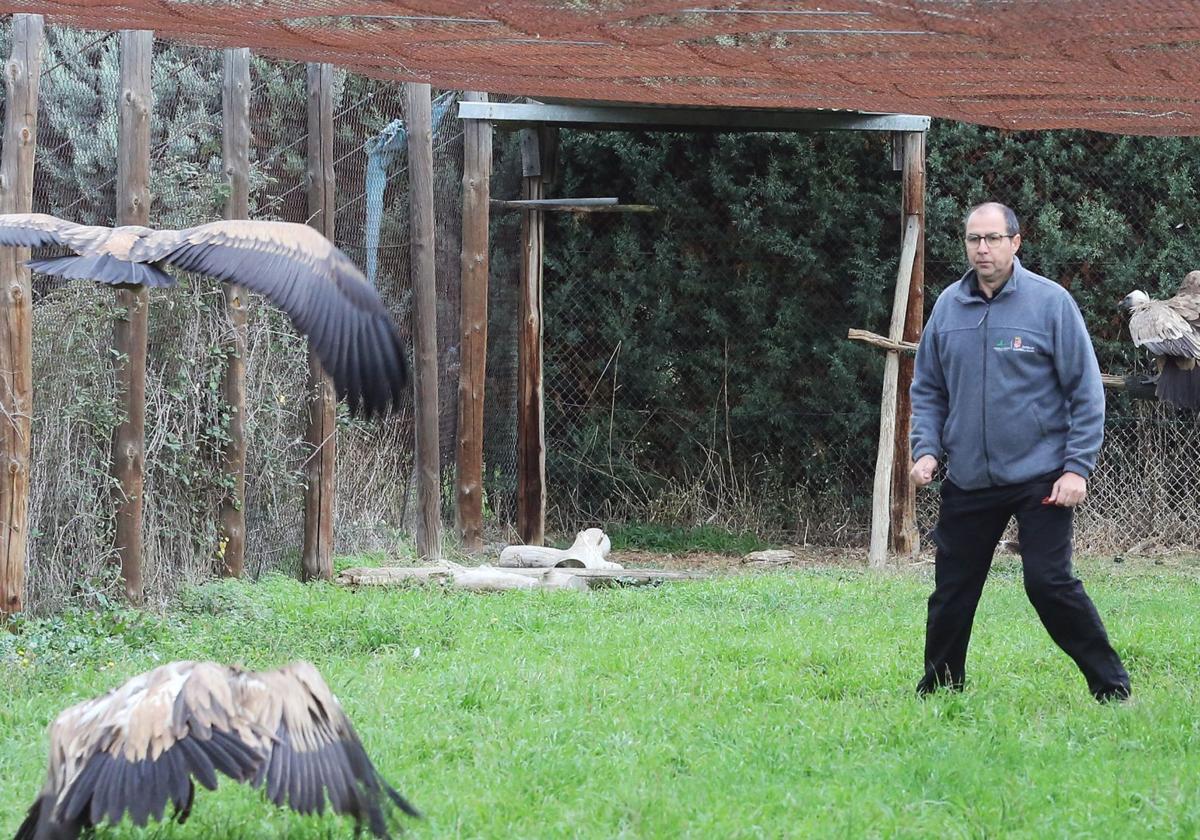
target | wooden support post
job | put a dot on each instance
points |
(476, 187)
(235, 154)
(317, 555)
(22, 75)
(129, 333)
(417, 113)
(531, 429)
(880, 499)
(904, 538)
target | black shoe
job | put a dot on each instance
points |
(927, 686)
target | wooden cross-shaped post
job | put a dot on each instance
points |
(882, 495)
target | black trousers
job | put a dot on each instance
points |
(970, 524)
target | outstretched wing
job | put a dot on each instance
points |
(316, 755)
(1161, 329)
(36, 229)
(140, 747)
(322, 291)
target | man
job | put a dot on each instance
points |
(1007, 390)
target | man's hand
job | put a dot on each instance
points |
(1069, 490)
(923, 469)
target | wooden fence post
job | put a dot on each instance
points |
(22, 75)
(904, 538)
(129, 332)
(235, 154)
(476, 186)
(418, 115)
(531, 420)
(881, 494)
(317, 556)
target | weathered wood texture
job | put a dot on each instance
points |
(476, 189)
(129, 333)
(317, 553)
(531, 425)
(405, 576)
(418, 115)
(22, 75)
(235, 154)
(903, 528)
(881, 495)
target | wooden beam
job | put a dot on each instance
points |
(623, 116)
(574, 205)
(881, 496)
(317, 554)
(235, 154)
(881, 342)
(129, 333)
(476, 189)
(903, 526)
(531, 422)
(418, 116)
(22, 77)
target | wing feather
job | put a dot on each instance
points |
(327, 298)
(33, 230)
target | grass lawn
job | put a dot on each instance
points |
(773, 705)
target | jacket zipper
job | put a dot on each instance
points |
(987, 463)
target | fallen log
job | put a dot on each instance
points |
(593, 578)
(589, 551)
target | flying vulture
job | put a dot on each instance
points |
(146, 743)
(1170, 329)
(296, 268)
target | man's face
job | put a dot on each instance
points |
(992, 261)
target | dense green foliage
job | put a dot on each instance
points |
(763, 706)
(720, 321)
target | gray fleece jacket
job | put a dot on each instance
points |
(1009, 389)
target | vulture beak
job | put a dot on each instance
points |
(1127, 303)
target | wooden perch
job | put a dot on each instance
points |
(1139, 390)
(594, 578)
(882, 341)
(573, 205)
(589, 551)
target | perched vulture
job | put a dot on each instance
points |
(144, 744)
(299, 270)
(1170, 329)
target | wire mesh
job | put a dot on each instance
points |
(696, 366)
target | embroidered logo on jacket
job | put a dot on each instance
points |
(1016, 344)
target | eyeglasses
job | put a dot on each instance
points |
(992, 239)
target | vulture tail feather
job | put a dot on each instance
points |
(1180, 388)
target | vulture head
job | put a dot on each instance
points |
(1170, 330)
(296, 268)
(148, 742)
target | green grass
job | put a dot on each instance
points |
(764, 706)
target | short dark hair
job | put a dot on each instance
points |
(1011, 224)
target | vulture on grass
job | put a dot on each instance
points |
(1170, 329)
(146, 744)
(299, 270)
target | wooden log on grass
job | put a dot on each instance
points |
(589, 551)
(129, 332)
(881, 495)
(235, 155)
(22, 75)
(415, 576)
(476, 187)
(316, 558)
(418, 115)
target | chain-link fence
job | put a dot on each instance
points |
(697, 369)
